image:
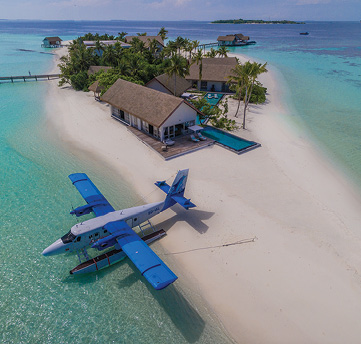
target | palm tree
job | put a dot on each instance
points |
(109, 57)
(153, 47)
(171, 48)
(121, 35)
(99, 48)
(222, 51)
(195, 44)
(137, 45)
(178, 67)
(188, 46)
(179, 43)
(245, 77)
(142, 34)
(212, 53)
(198, 59)
(163, 33)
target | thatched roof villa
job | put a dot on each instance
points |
(215, 74)
(158, 114)
(164, 83)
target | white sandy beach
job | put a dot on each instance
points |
(299, 281)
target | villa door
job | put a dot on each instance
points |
(151, 129)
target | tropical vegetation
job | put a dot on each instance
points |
(216, 115)
(254, 21)
(244, 82)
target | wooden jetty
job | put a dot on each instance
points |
(30, 77)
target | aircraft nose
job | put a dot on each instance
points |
(55, 248)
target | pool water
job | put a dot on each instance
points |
(213, 98)
(234, 142)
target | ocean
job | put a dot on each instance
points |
(39, 301)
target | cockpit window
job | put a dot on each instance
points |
(68, 237)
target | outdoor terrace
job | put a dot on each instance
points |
(183, 144)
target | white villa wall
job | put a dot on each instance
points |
(156, 85)
(184, 113)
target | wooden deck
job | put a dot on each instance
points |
(183, 144)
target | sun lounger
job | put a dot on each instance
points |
(169, 142)
(201, 137)
(194, 139)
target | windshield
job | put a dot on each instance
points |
(68, 237)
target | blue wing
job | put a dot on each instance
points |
(147, 262)
(96, 202)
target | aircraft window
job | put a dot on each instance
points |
(105, 231)
(135, 219)
(68, 237)
(78, 238)
(90, 236)
(96, 234)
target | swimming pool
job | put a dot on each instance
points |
(213, 98)
(235, 143)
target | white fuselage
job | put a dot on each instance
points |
(86, 233)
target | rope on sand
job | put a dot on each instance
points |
(239, 242)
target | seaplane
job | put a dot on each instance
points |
(114, 229)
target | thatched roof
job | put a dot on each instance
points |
(241, 37)
(96, 69)
(95, 87)
(213, 69)
(53, 39)
(228, 38)
(145, 39)
(182, 84)
(149, 105)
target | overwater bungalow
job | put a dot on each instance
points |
(215, 74)
(160, 115)
(234, 40)
(51, 42)
(164, 83)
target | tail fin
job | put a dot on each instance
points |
(176, 191)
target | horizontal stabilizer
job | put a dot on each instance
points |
(175, 193)
(163, 186)
(184, 202)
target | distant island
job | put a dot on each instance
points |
(251, 21)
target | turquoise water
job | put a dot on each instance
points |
(226, 139)
(213, 98)
(39, 301)
(322, 75)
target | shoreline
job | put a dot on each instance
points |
(283, 193)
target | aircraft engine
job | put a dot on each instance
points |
(106, 242)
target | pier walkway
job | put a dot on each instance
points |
(30, 77)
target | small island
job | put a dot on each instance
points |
(252, 21)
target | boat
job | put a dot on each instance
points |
(304, 33)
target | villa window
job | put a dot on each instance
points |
(203, 85)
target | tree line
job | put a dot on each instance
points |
(141, 62)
